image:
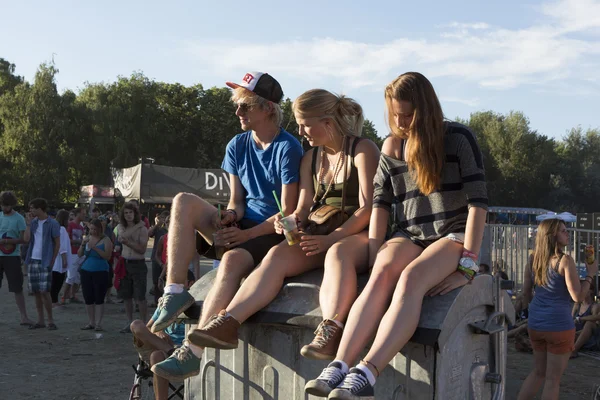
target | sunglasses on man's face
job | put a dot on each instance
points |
(244, 107)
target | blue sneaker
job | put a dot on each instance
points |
(170, 305)
(329, 379)
(180, 365)
(355, 386)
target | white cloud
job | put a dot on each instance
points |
(489, 56)
(468, 102)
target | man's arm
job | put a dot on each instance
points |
(15, 241)
(237, 202)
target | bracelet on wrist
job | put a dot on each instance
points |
(231, 210)
(470, 254)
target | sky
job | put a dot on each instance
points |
(541, 58)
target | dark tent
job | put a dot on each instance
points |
(158, 184)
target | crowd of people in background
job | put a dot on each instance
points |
(78, 252)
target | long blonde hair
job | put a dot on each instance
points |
(345, 113)
(546, 247)
(425, 154)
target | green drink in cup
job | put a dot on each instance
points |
(219, 244)
(290, 229)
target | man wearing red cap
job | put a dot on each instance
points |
(263, 159)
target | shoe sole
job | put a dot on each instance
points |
(314, 355)
(317, 388)
(345, 395)
(159, 327)
(166, 375)
(203, 340)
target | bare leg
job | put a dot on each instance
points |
(74, 290)
(141, 332)
(370, 306)
(263, 284)
(67, 291)
(100, 313)
(584, 335)
(143, 310)
(47, 300)
(39, 306)
(161, 385)
(235, 265)
(20, 300)
(338, 290)
(189, 213)
(557, 363)
(91, 312)
(402, 317)
(129, 309)
(536, 378)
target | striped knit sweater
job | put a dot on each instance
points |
(445, 210)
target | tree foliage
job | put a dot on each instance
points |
(53, 142)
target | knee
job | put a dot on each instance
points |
(137, 326)
(156, 357)
(235, 264)
(183, 201)
(384, 273)
(411, 282)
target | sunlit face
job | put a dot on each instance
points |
(250, 115)
(315, 130)
(129, 215)
(403, 113)
(562, 237)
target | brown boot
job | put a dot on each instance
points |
(326, 342)
(221, 332)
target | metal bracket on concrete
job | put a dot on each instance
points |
(489, 327)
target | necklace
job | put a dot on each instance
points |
(320, 179)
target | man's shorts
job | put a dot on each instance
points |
(458, 237)
(40, 277)
(75, 262)
(11, 266)
(257, 247)
(133, 285)
(561, 342)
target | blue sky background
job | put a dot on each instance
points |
(541, 58)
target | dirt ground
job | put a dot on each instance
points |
(70, 364)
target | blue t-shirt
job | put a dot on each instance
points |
(262, 171)
(176, 330)
(11, 227)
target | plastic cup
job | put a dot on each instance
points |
(220, 248)
(290, 229)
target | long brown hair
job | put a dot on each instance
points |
(425, 149)
(546, 247)
(136, 214)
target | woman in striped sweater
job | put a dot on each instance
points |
(433, 170)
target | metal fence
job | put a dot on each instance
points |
(507, 248)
